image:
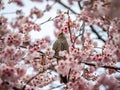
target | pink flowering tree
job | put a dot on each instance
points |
(79, 20)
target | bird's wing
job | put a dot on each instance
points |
(64, 45)
(56, 47)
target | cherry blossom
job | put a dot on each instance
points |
(27, 64)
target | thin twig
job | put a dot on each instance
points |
(81, 28)
(83, 31)
(61, 3)
(32, 78)
(76, 38)
(69, 28)
(50, 7)
(69, 74)
(50, 19)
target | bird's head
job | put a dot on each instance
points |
(61, 36)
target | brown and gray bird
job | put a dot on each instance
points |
(61, 44)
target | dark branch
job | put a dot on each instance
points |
(80, 5)
(33, 78)
(83, 31)
(69, 74)
(14, 88)
(99, 37)
(61, 3)
(104, 66)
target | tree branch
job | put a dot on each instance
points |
(69, 75)
(50, 19)
(83, 31)
(61, 3)
(33, 77)
(80, 5)
(82, 28)
(99, 37)
(104, 66)
(69, 28)
(13, 87)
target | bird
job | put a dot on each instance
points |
(61, 44)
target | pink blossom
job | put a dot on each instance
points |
(37, 27)
(48, 7)
(70, 2)
(18, 2)
(63, 68)
(37, 12)
(29, 88)
(1, 5)
(49, 52)
(64, 29)
(108, 81)
(57, 23)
